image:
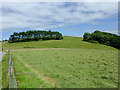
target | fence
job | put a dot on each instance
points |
(11, 72)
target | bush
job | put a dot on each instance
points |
(103, 38)
(86, 36)
(93, 41)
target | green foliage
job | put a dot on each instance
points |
(93, 41)
(86, 36)
(104, 38)
(34, 36)
(5, 40)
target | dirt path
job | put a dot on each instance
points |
(38, 49)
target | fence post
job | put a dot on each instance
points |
(10, 78)
(8, 60)
(9, 68)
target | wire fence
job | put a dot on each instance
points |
(11, 72)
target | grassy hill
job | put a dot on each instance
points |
(67, 42)
(72, 63)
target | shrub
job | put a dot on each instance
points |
(93, 41)
(103, 38)
(86, 36)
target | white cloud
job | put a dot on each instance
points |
(52, 15)
(60, 0)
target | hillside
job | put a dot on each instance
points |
(67, 42)
(67, 63)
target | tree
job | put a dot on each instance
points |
(103, 38)
(86, 36)
(34, 35)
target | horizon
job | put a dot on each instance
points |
(68, 18)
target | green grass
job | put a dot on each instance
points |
(27, 78)
(68, 68)
(0, 76)
(79, 65)
(5, 79)
(0, 69)
(67, 42)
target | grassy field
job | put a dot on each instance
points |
(5, 80)
(67, 42)
(69, 68)
(76, 64)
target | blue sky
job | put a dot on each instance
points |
(69, 18)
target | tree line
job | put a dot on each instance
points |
(34, 36)
(103, 38)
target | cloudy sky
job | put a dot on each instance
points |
(69, 18)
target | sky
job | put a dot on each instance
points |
(69, 18)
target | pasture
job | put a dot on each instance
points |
(67, 63)
(68, 68)
(67, 42)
